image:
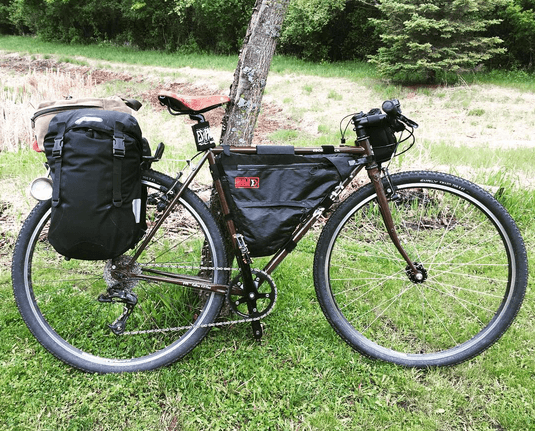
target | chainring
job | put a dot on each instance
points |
(266, 295)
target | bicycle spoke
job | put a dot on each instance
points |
(466, 262)
(440, 320)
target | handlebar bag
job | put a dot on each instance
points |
(97, 200)
(270, 194)
(383, 142)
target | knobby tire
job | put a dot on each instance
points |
(472, 252)
(58, 298)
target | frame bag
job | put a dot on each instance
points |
(272, 191)
(98, 207)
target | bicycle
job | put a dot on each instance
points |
(419, 269)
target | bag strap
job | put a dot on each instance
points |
(57, 153)
(275, 149)
(118, 154)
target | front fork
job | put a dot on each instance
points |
(415, 271)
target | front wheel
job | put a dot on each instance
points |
(472, 257)
(67, 306)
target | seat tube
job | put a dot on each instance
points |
(223, 201)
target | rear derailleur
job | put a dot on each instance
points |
(117, 275)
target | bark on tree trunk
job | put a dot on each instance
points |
(251, 73)
(248, 87)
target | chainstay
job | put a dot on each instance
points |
(198, 268)
(205, 325)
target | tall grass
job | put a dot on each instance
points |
(20, 98)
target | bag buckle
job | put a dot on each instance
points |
(118, 146)
(58, 147)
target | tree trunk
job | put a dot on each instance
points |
(251, 73)
(247, 89)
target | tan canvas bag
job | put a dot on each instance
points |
(48, 110)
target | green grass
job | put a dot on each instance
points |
(124, 54)
(114, 53)
(517, 160)
(515, 79)
(354, 70)
(302, 376)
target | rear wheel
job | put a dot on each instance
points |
(67, 306)
(472, 259)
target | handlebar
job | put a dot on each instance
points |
(392, 107)
(392, 117)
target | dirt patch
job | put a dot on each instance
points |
(270, 119)
(7, 239)
(19, 64)
(24, 64)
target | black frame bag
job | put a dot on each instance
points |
(272, 191)
(98, 207)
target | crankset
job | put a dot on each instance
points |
(264, 297)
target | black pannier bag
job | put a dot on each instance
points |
(98, 207)
(272, 191)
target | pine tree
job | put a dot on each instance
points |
(425, 41)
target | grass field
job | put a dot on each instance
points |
(301, 376)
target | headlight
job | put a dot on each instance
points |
(41, 189)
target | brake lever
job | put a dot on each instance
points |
(407, 121)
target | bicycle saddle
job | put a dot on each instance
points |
(190, 104)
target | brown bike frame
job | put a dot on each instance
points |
(363, 149)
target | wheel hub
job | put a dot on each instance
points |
(416, 277)
(115, 268)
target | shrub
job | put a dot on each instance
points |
(330, 30)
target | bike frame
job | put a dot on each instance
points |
(362, 148)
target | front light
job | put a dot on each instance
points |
(41, 189)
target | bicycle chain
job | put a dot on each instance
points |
(206, 325)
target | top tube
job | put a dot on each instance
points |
(287, 149)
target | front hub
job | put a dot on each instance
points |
(416, 277)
